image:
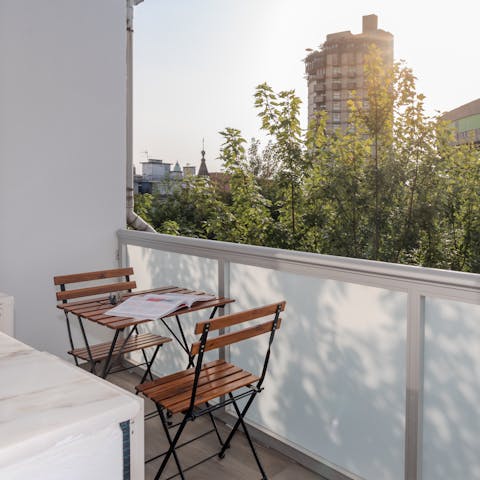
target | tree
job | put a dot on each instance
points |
(144, 206)
(393, 186)
(372, 121)
(336, 190)
(280, 116)
(195, 207)
(249, 210)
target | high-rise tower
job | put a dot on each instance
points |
(337, 69)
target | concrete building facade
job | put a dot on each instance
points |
(466, 121)
(158, 177)
(336, 70)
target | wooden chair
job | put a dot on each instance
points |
(91, 303)
(189, 392)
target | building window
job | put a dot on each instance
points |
(336, 95)
(334, 60)
(336, 85)
(336, 106)
(336, 117)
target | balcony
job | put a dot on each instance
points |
(375, 371)
(363, 344)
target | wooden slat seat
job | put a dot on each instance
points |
(216, 379)
(137, 342)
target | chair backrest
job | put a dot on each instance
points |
(122, 283)
(205, 344)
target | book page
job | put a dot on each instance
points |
(187, 299)
(153, 306)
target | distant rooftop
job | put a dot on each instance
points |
(466, 110)
(156, 161)
(369, 29)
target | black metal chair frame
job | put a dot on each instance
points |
(182, 339)
(193, 412)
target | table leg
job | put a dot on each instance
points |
(183, 340)
(87, 345)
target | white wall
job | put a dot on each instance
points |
(62, 151)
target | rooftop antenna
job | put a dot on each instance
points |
(145, 152)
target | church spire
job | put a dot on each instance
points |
(203, 171)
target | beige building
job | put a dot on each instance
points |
(337, 69)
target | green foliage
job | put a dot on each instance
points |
(392, 187)
(279, 114)
(248, 211)
(143, 205)
(170, 227)
(195, 208)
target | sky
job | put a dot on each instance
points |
(197, 62)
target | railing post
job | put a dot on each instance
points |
(224, 291)
(122, 254)
(414, 387)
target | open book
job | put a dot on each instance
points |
(153, 306)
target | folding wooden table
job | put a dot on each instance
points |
(95, 310)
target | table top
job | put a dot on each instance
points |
(94, 309)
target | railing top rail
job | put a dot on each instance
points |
(354, 270)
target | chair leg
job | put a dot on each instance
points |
(87, 345)
(214, 423)
(108, 360)
(241, 415)
(149, 364)
(226, 443)
(70, 337)
(173, 443)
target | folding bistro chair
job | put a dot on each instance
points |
(189, 392)
(91, 303)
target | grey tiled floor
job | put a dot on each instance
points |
(238, 463)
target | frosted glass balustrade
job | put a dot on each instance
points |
(451, 423)
(336, 386)
(154, 268)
